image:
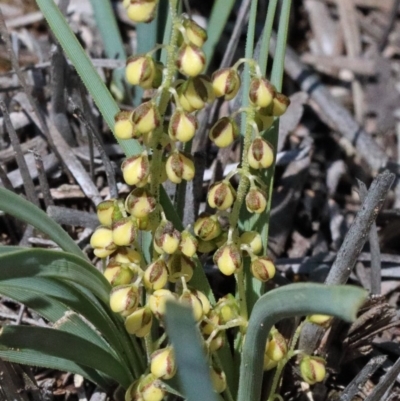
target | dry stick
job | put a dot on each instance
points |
(390, 25)
(44, 184)
(27, 179)
(348, 20)
(5, 180)
(331, 112)
(72, 217)
(108, 167)
(351, 248)
(385, 383)
(14, 62)
(376, 263)
(57, 86)
(359, 381)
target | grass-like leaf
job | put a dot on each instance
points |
(113, 45)
(64, 345)
(54, 299)
(216, 24)
(56, 265)
(37, 358)
(193, 370)
(289, 301)
(20, 208)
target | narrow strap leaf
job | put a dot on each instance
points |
(20, 208)
(64, 345)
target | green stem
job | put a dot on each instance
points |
(156, 163)
(242, 294)
(241, 194)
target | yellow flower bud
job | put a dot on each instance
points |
(127, 256)
(207, 227)
(140, 70)
(218, 379)
(269, 364)
(139, 203)
(228, 259)
(139, 322)
(212, 323)
(276, 347)
(157, 301)
(151, 389)
(180, 266)
(263, 121)
(132, 393)
(124, 231)
(320, 320)
(182, 126)
(195, 93)
(163, 364)
(221, 195)
(156, 275)
(190, 60)
(217, 343)
(105, 212)
(188, 244)
(253, 240)
(166, 238)
(136, 169)
(204, 300)
(190, 299)
(124, 299)
(227, 309)
(256, 200)
(117, 274)
(141, 10)
(146, 117)
(124, 127)
(179, 167)
(263, 268)
(194, 32)
(224, 132)
(102, 242)
(226, 82)
(261, 92)
(261, 154)
(280, 104)
(312, 369)
(158, 76)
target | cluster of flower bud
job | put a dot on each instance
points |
(141, 288)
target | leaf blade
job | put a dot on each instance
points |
(20, 208)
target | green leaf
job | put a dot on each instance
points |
(37, 358)
(193, 370)
(56, 265)
(10, 248)
(55, 300)
(216, 25)
(278, 66)
(284, 302)
(266, 36)
(20, 208)
(113, 45)
(41, 294)
(64, 345)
